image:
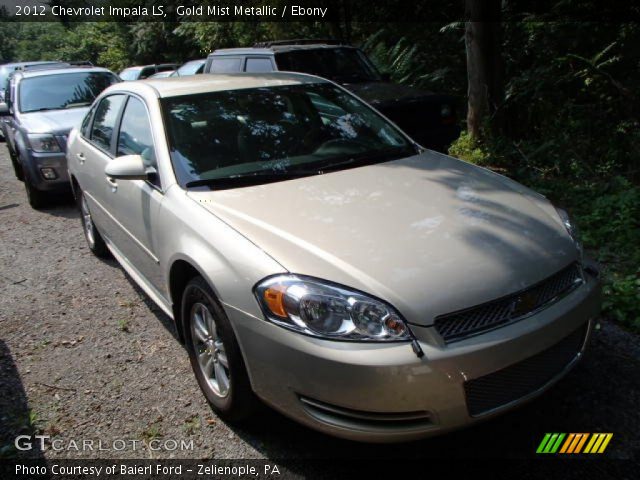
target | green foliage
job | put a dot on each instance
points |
(426, 56)
(470, 150)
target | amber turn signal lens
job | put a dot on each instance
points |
(274, 298)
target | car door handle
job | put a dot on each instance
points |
(81, 158)
(112, 182)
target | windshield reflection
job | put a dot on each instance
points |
(268, 132)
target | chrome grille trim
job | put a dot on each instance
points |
(503, 311)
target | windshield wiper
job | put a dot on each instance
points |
(245, 179)
(78, 105)
(43, 109)
(368, 158)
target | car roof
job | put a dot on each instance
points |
(59, 71)
(151, 65)
(176, 86)
(25, 64)
(276, 49)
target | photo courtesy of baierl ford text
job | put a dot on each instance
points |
(319, 239)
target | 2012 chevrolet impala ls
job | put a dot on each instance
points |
(313, 256)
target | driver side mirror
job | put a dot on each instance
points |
(4, 109)
(128, 167)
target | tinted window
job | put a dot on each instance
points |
(337, 64)
(226, 65)
(105, 120)
(258, 65)
(146, 72)
(135, 133)
(246, 135)
(60, 91)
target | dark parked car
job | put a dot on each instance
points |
(429, 118)
(142, 72)
(43, 106)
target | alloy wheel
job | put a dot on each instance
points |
(209, 350)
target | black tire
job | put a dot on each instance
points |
(240, 402)
(17, 168)
(37, 198)
(95, 242)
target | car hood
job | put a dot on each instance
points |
(53, 121)
(430, 234)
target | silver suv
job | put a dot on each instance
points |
(42, 107)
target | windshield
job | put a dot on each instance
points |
(342, 65)
(190, 68)
(67, 90)
(130, 74)
(268, 134)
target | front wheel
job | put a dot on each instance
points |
(17, 168)
(215, 354)
(37, 198)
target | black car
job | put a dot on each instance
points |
(429, 118)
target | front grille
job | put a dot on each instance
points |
(478, 319)
(523, 378)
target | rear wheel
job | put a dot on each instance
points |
(92, 236)
(215, 354)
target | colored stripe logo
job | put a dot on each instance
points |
(573, 443)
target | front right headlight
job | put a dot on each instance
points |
(43, 143)
(321, 309)
(572, 229)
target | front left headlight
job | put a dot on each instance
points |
(43, 143)
(571, 227)
(320, 309)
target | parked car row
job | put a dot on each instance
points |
(430, 118)
(311, 253)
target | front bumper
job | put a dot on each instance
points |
(384, 392)
(56, 161)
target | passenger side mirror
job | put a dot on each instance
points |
(4, 109)
(128, 167)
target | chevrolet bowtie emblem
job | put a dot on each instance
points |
(523, 304)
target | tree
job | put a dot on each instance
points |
(484, 64)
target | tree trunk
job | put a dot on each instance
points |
(484, 64)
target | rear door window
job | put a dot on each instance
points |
(226, 65)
